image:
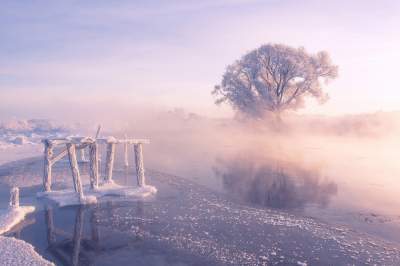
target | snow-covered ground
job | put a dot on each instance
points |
(22, 138)
(11, 216)
(12, 250)
(15, 252)
(19, 132)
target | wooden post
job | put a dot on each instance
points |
(139, 165)
(109, 161)
(126, 161)
(94, 165)
(83, 158)
(14, 197)
(75, 170)
(48, 153)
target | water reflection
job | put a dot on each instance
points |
(68, 250)
(79, 246)
(196, 227)
(272, 183)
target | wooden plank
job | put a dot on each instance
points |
(83, 145)
(121, 141)
(88, 140)
(73, 140)
(59, 156)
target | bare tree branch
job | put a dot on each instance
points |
(272, 77)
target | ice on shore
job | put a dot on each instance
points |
(18, 252)
(113, 189)
(12, 216)
(14, 251)
(69, 197)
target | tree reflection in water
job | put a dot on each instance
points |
(276, 184)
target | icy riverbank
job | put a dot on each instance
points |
(14, 251)
(17, 252)
(12, 216)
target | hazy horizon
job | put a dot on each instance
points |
(71, 55)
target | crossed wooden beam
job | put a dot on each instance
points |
(72, 144)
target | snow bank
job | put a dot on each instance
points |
(12, 216)
(69, 197)
(20, 132)
(17, 252)
(14, 251)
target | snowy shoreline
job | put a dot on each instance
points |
(18, 252)
(13, 216)
(14, 251)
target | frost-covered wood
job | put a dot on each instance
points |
(126, 160)
(74, 144)
(139, 165)
(59, 156)
(75, 170)
(83, 157)
(94, 165)
(14, 197)
(48, 153)
(73, 140)
(120, 141)
(110, 161)
(88, 140)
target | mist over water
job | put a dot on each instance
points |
(289, 190)
(328, 167)
(339, 169)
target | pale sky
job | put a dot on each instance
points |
(171, 53)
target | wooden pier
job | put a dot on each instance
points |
(74, 144)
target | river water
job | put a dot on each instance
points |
(281, 216)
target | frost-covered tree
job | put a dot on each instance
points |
(274, 78)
